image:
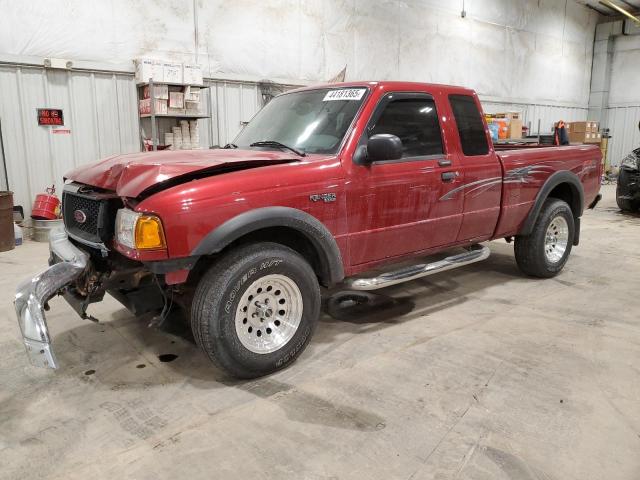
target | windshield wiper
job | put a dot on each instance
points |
(273, 143)
(230, 145)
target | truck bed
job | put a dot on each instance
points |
(527, 167)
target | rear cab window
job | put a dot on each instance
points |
(473, 137)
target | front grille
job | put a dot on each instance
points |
(89, 207)
(88, 215)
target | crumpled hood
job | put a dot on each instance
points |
(130, 175)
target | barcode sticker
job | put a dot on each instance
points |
(344, 94)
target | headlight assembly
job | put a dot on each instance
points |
(139, 231)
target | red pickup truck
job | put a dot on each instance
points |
(351, 184)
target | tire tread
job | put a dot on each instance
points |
(528, 252)
(212, 288)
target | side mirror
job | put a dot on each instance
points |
(382, 146)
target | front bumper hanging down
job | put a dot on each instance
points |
(32, 294)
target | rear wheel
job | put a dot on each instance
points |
(256, 309)
(545, 251)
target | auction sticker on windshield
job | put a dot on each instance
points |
(344, 94)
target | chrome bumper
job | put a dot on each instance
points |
(32, 294)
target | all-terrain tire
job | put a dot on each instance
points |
(623, 190)
(216, 316)
(531, 251)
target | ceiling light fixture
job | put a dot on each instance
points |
(608, 3)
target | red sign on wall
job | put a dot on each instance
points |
(50, 116)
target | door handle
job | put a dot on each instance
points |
(443, 162)
(448, 176)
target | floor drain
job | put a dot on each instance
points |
(89, 372)
(167, 357)
(142, 365)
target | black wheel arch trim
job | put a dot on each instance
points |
(552, 182)
(331, 267)
(162, 267)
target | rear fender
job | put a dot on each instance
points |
(576, 203)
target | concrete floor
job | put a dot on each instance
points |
(478, 373)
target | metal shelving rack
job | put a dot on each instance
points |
(153, 116)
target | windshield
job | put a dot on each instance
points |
(313, 121)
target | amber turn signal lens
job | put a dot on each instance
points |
(149, 233)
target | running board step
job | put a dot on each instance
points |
(475, 253)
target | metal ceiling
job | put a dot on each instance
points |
(632, 6)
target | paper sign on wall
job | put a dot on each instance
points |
(344, 94)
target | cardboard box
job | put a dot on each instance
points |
(192, 74)
(147, 68)
(192, 94)
(580, 127)
(160, 106)
(172, 72)
(159, 91)
(594, 138)
(584, 137)
(193, 108)
(577, 137)
(515, 129)
(504, 115)
(176, 100)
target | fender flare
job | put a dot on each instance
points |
(331, 267)
(577, 203)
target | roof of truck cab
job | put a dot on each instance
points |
(390, 85)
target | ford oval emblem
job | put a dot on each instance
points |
(79, 216)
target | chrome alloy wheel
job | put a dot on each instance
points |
(556, 239)
(269, 313)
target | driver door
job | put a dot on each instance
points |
(395, 206)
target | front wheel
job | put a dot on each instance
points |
(256, 309)
(545, 251)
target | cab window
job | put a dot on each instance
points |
(415, 122)
(470, 127)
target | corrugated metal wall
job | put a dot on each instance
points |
(231, 104)
(623, 126)
(99, 110)
(622, 123)
(531, 113)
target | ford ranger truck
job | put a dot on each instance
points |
(353, 185)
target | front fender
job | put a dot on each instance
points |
(332, 269)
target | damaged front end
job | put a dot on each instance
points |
(33, 294)
(82, 275)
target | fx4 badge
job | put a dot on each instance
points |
(325, 197)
